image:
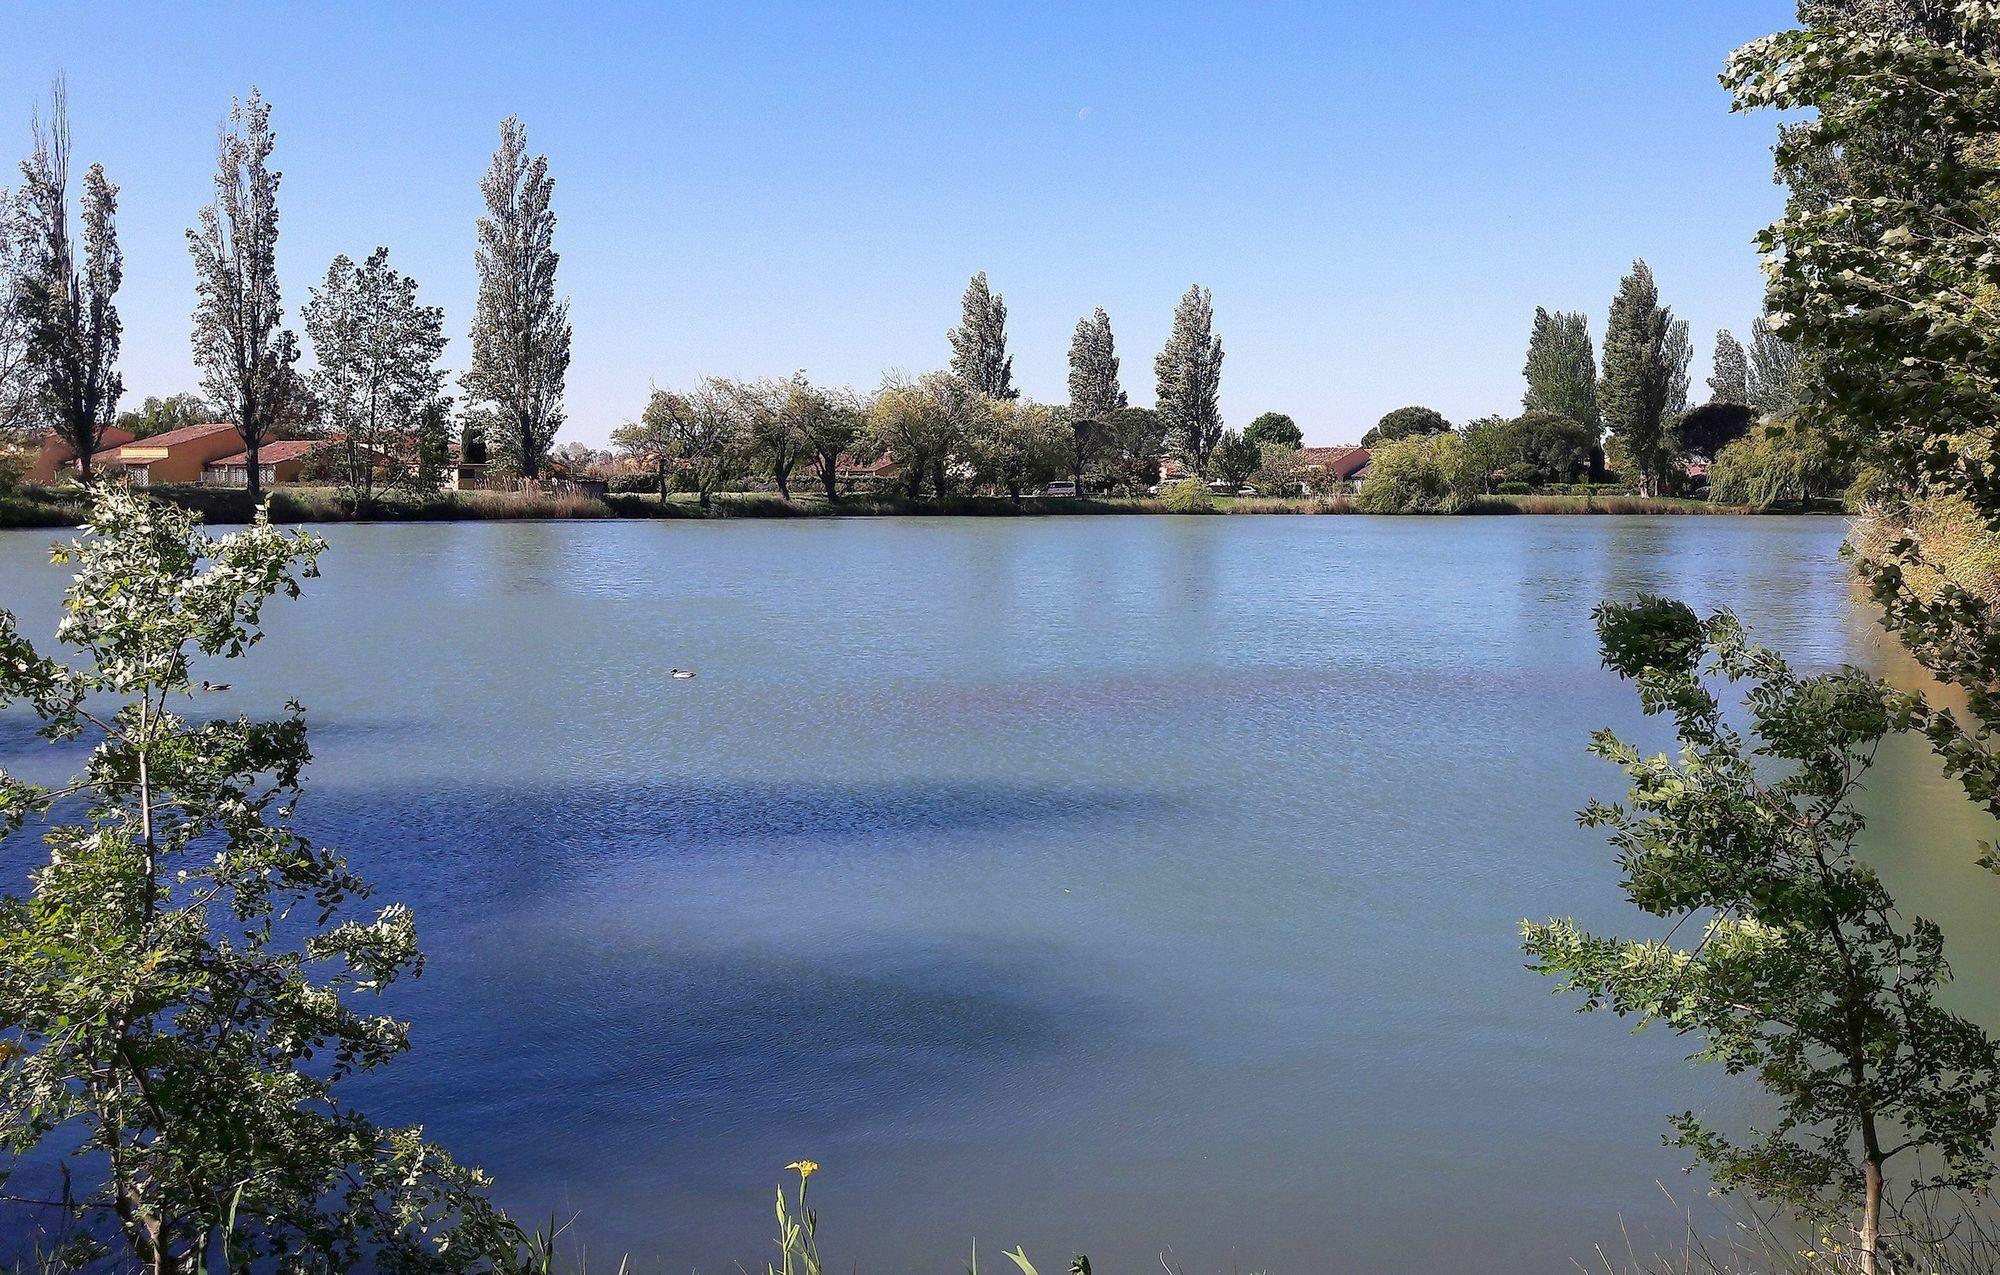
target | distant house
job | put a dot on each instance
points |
(177, 456)
(1333, 467)
(53, 455)
(278, 461)
(849, 469)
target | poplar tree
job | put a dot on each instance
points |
(1189, 376)
(520, 331)
(1094, 392)
(1774, 371)
(1730, 381)
(69, 327)
(1638, 382)
(979, 343)
(16, 387)
(246, 359)
(1562, 368)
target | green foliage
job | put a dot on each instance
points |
(979, 343)
(1545, 447)
(162, 415)
(1803, 973)
(1236, 458)
(1777, 464)
(1423, 473)
(520, 331)
(1706, 430)
(1644, 362)
(377, 351)
(1094, 391)
(1188, 374)
(1274, 427)
(1882, 294)
(1188, 496)
(1135, 439)
(1405, 422)
(1562, 368)
(65, 293)
(179, 998)
(1729, 382)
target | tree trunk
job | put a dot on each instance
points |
(661, 461)
(829, 473)
(782, 471)
(251, 445)
(1871, 1215)
(915, 487)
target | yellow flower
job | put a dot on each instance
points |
(806, 1168)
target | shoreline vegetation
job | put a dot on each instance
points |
(29, 507)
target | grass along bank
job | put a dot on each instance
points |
(34, 506)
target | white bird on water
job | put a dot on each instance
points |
(681, 672)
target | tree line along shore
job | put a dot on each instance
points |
(388, 438)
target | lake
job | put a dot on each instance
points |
(1123, 886)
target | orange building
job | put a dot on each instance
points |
(177, 456)
(55, 455)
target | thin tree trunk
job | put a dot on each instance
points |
(1871, 1211)
(782, 471)
(829, 473)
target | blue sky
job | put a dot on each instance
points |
(1378, 194)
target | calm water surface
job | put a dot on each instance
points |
(1116, 885)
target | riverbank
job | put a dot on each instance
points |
(60, 507)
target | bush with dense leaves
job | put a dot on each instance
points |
(1188, 496)
(1424, 474)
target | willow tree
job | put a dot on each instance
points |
(246, 359)
(1188, 378)
(188, 987)
(979, 343)
(520, 330)
(64, 299)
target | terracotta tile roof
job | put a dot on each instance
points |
(271, 453)
(1341, 462)
(185, 433)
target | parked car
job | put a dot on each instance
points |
(1060, 489)
(1247, 490)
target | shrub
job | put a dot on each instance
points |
(1188, 496)
(1425, 474)
(1515, 489)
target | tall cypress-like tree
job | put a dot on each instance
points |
(1094, 392)
(69, 327)
(1677, 353)
(1189, 378)
(520, 331)
(1638, 383)
(1562, 368)
(1774, 371)
(246, 360)
(979, 343)
(1730, 381)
